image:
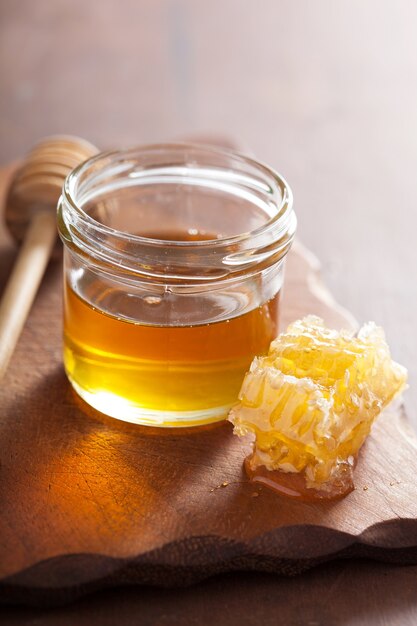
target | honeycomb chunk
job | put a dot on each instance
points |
(312, 400)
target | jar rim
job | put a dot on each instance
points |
(165, 259)
(283, 210)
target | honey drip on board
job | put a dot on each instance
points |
(157, 366)
(293, 485)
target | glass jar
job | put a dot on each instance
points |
(173, 268)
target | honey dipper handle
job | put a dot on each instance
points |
(24, 282)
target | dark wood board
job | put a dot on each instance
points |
(88, 502)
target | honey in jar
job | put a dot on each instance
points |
(166, 302)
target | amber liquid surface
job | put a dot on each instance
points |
(157, 373)
(293, 485)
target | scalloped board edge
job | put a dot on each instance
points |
(64, 579)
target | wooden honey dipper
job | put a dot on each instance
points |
(30, 215)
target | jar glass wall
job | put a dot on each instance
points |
(173, 268)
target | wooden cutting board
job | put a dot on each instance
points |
(87, 502)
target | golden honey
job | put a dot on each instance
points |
(311, 403)
(167, 368)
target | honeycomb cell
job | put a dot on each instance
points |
(312, 400)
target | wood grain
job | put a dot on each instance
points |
(89, 502)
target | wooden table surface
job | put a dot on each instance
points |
(323, 90)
